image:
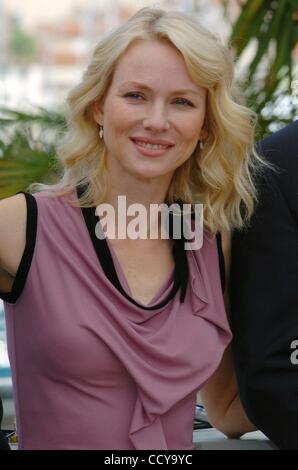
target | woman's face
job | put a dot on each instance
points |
(153, 113)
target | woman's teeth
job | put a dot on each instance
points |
(151, 146)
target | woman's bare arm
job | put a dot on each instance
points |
(220, 394)
(13, 214)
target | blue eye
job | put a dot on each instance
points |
(137, 96)
(133, 95)
(184, 101)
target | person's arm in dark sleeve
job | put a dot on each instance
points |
(220, 394)
(264, 297)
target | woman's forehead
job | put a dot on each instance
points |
(149, 63)
(147, 53)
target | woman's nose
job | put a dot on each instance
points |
(157, 120)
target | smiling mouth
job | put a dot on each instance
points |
(150, 150)
(147, 145)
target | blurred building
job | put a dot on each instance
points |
(64, 47)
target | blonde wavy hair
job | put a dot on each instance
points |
(221, 176)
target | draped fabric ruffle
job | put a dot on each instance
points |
(191, 359)
(201, 358)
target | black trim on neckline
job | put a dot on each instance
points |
(105, 258)
(25, 263)
(221, 262)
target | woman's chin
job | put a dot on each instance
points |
(148, 173)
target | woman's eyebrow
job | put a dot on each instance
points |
(146, 87)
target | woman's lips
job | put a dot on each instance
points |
(150, 152)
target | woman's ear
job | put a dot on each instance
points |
(97, 112)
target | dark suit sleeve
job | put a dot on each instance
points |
(264, 296)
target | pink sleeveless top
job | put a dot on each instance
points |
(90, 369)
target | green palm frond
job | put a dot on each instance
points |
(43, 117)
(28, 148)
(274, 27)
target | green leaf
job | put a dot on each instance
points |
(247, 16)
(273, 32)
(265, 90)
(252, 31)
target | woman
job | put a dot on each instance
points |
(109, 340)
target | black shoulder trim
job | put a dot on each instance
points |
(221, 262)
(25, 263)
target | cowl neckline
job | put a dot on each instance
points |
(106, 257)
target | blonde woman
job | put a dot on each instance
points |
(111, 338)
